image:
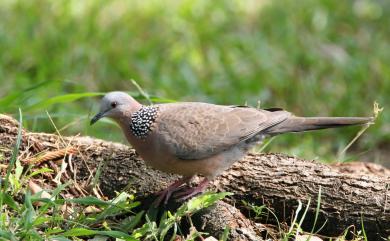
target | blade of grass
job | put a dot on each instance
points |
(129, 225)
(96, 177)
(317, 211)
(277, 220)
(59, 238)
(225, 234)
(55, 127)
(15, 152)
(363, 230)
(141, 91)
(9, 200)
(7, 235)
(90, 200)
(77, 232)
(295, 217)
(62, 99)
(17, 95)
(302, 218)
(28, 214)
(202, 201)
(266, 144)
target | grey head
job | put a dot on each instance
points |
(116, 105)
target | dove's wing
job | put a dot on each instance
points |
(198, 130)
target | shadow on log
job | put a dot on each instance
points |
(278, 181)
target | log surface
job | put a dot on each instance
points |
(276, 180)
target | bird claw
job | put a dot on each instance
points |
(165, 194)
(162, 195)
(186, 194)
(190, 192)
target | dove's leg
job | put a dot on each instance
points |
(167, 193)
(190, 192)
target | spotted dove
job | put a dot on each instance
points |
(190, 138)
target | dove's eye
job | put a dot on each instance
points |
(114, 104)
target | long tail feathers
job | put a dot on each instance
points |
(298, 124)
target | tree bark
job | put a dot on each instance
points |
(278, 181)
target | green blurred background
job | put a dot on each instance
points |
(328, 58)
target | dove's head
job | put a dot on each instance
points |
(116, 105)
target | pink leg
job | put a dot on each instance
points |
(167, 193)
(190, 192)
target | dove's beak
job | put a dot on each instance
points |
(97, 117)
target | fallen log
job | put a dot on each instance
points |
(276, 180)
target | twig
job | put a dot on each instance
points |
(376, 111)
(50, 156)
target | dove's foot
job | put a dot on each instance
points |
(192, 191)
(165, 194)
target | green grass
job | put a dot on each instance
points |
(313, 58)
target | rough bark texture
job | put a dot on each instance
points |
(279, 181)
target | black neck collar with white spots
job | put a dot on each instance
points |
(142, 120)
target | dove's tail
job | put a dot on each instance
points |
(298, 124)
